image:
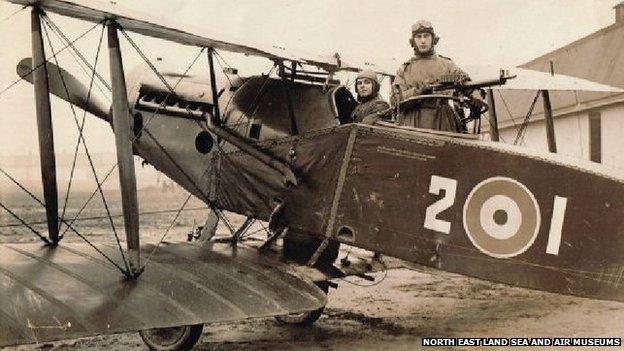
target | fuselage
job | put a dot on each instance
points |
(446, 200)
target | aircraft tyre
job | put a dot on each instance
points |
(308, 318)
(172, 339)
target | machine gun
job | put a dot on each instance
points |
(465, 88)
(466, 107)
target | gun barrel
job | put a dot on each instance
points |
(471, 85)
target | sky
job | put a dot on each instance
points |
(495, 32)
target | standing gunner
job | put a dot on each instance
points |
(422, 70)
(370, 102)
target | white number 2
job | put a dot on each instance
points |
(449, 186)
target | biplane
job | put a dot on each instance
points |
(281, 148)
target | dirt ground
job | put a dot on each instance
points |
(394, 314)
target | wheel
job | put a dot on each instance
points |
(305, 318)
(172, 339)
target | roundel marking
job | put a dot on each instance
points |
(501, 217)
(497, 206)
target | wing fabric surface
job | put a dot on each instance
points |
(527, 79)
(130, 20)
(134, 21)
(69, 292)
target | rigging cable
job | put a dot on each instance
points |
(90, 198)
(88, 70)
(162, 148)
(134, 138)
(14, 13)
(525, 123)
(46, 60)
(162, 238)
(250, 234)
(41, 236)
(80, 127)
(223, 64)
(69, 226)
(83, 219)
(74, 49)
(511, 118)
(221, 61)
(172, 91)
(255, 103)
(492, 126)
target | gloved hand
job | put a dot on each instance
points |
(477, 107)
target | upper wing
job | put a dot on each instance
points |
(527, 79)
(130, 20)
(96, 11)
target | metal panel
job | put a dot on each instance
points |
(70, 291)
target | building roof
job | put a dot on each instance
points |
(597, 57)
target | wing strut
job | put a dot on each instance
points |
(44, 126)
(286, 85)
(216, 115)
(550, 125)
(492, 118)
(123, 135)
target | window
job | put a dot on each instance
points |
(595, 140)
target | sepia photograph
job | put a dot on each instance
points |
(311, 175)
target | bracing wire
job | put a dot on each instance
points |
(46, 60)
(36, 232)
(162, 238)
(256, 100)
(69, 226)
(78, 58)
(511, 118)
(149, 120)
(93, 218)
(74, 49)
(13, 14)
(172, 92)
(99, 184)
(525, 123)
(80, 126)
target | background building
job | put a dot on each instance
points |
(587, 125)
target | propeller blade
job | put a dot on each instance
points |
(77, 91)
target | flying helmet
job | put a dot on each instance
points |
(370, 74)
(423, 26)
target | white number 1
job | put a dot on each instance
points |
(450, 187)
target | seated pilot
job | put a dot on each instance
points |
(370, 102)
